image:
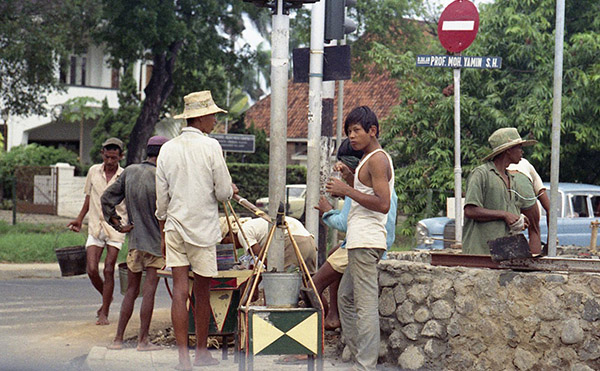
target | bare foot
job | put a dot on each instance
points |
(332, 324)
(206, 360)
(116, 345)
(102, 320)
(147, 347)
(98, 312)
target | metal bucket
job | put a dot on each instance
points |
(282, 290)
(123, 279)
(72, 260)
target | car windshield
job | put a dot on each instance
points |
(295, 191)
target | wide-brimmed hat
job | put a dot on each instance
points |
(504, 139)
(199, 104)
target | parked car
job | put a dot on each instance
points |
(579, 205)
(295, 195)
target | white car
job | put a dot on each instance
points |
(295, 195)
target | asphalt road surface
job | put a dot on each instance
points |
(49, 324)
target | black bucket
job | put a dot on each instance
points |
(72, 260)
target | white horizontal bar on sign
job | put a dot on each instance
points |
(458, 25)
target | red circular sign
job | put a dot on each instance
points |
(458, 25)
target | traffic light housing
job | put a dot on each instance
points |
(336, 23)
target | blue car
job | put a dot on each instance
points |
(579, 205)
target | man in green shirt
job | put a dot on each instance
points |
(493, 201)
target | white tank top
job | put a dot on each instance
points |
(366, 228)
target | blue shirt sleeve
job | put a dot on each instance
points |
(338, 219)
(390, 225)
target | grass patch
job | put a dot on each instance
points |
(35, 243)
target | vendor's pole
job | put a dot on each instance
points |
(278, 130)
(556, 118)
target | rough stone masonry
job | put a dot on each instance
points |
(456, 318)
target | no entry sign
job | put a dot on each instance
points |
(458, 25)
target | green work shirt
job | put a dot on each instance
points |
(485, 188)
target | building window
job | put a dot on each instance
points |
(83, 65)
(73, 70)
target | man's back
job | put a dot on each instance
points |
(191, 178)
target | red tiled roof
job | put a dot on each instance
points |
(378, 91)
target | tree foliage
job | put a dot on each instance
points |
(190, 44)
(420, 132)
(34, 37)
(117, 124)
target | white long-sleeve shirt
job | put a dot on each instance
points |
(191, 179)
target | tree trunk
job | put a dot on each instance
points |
(158, 90)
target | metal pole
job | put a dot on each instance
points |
(457, 168)
(278, 132)
(340, 109)
(556, 119)
(315, 106)
(326, 152)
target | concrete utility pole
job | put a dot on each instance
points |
(278, 133)
(315, 106)
(326, 152)
(556, 119)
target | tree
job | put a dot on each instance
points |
(78, 110)
(420, 133)
(34, 36)
(188, 50)
(117, 124)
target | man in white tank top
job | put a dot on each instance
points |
(370, 190)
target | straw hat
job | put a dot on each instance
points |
(199, 104)
(504, 139)
(234, 226)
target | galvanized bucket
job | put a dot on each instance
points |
(282, 290)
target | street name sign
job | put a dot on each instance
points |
(457, 61)
(458, 26)
(243, 143)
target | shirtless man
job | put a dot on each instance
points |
(100, 233)
(370, 189)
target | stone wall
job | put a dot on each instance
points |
(456, 318)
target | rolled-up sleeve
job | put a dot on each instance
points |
(337, 219)
(162, 191)
(113, 196)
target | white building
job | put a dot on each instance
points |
(86, 75)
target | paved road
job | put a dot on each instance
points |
(50, 323)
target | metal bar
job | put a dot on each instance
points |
(553, 264)
(457, 168)
(464, 260)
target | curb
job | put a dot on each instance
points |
(15, 271)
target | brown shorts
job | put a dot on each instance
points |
(137, 261)
(202, 259)
(308, 250)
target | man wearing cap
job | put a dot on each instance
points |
(494, 196)
(191, 179)
(100, 234)
(137, 186)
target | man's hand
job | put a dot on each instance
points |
(235, 189)
(510, 218)
(74, 225)
(347, 174)
(337, 188)
(323, 206)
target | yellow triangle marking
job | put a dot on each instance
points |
(220, 300)
(263, 334)
(307, 333)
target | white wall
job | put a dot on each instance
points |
(70, 191)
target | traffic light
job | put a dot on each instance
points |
(336, 23)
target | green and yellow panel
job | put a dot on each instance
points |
(284, 331)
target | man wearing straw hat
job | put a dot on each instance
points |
(191, 179)
(495, 196)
